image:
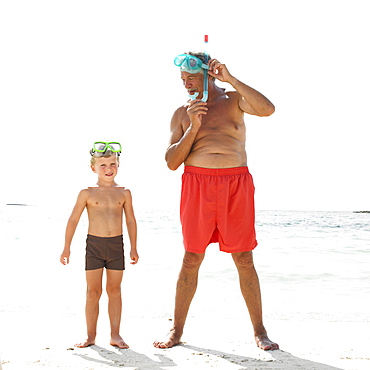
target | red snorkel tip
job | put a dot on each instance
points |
(205, 38)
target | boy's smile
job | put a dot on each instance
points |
(106, 168)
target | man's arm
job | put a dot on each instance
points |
(181, 142)
(251, 101)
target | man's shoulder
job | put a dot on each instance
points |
(180, 115)
(233, 94)
(182, 110)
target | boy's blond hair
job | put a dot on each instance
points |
(108, 153)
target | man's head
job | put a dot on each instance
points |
(194, 73)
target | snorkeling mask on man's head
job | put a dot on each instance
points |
(191, 64)
(101, 147)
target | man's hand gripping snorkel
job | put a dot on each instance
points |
(198, 107)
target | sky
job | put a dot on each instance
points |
(74, 72)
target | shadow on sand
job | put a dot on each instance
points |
(281, 360)
(129, 358)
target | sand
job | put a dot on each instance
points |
(42, 317)
(35, 340)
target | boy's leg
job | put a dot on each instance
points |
(114, 279)
(94, 290)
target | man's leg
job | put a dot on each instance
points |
(250, 287)
(185, 290)
(94, 290)
(114, 279)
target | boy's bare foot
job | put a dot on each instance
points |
(87, 343)
(172, 340)
(119, 342)
(265, 343)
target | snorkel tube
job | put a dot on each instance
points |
(205, 71)
(205, 79)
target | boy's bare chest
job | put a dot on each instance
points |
(106, 200)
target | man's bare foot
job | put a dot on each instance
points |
(119, 342)
(265, 343)
(87, 343)
(172, 340)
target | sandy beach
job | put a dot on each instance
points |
(74, 72)
(208, 344)
(218, 335)
(42, 307)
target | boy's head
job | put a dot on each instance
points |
(102, 149)
(108, 153)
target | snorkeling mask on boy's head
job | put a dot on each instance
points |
(101, 148)
(192, 64)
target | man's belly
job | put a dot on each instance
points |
(213, 150)
(216, 160)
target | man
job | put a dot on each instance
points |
(217, 198)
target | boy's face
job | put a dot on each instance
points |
(106, 168)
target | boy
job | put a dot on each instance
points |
(105, 204)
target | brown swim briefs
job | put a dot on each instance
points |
(104, 252)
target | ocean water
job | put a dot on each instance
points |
(311, 265)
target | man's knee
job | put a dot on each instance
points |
(192, 260)
(243, 260)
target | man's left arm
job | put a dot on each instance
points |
(251, 101)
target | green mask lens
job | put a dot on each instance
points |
(102, 146)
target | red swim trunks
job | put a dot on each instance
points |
(217, 205)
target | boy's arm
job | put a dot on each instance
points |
(72, 225)
(131, 226)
